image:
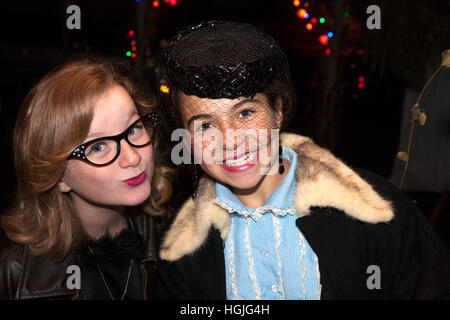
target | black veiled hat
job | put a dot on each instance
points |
(222, 59)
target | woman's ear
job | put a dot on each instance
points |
(63, 186)
(279, 111)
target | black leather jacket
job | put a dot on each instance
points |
(24, 276)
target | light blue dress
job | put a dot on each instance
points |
(266, 255)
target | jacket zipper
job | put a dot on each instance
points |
(74, 295)
(144, 280)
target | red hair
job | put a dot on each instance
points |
(53, 120)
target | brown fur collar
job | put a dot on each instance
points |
(322, 180)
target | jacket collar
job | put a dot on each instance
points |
(322, 180)
(43, 278)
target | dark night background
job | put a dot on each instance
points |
(362, 127)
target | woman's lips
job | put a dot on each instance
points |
(234, 157)
(135, 181)
(243, 167)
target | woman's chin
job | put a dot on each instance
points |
(138, 197)
(244, 182)
(243, 188)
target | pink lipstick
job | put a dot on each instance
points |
(243, 167)
(135, 181)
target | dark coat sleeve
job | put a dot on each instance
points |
(198, 276)
(411, 260)
(417, 261)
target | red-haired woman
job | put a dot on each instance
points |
(84, 145)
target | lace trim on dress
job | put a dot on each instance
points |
(232, 268)
(278, 240)
(258, 212)
(251, 265)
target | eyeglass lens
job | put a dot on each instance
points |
(104, 151)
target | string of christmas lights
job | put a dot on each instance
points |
(156, 3)
(132, 36)
(312, 22)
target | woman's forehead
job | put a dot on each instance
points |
(192, 105)
(113, 112)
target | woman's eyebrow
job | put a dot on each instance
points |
(240, 103)
(132, 117)
(197, 117)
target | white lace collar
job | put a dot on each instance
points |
(258, 213)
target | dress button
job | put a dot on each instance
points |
(274, 288)
(265, 253)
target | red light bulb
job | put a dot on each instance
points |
(301, 13)
(323, 39)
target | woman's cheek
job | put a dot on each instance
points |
(150, 162)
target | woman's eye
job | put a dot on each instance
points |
(135, 129)
(245, 113)
(98, 147)
(203, 126)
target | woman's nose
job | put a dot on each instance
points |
(129, 157)
(230, 140)
(235, 139)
